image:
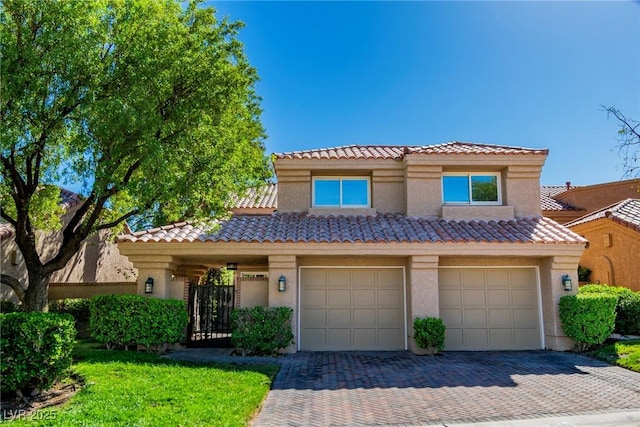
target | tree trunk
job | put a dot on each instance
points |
(36, 298)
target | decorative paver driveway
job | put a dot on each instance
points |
(400, 388)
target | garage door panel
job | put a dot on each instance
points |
(314, 278)
(451, 318)
(338, 317)
(502, 338)
(490, 308)
(449, 278)
(476, 338)
(364, 318)
(450, 297)
(356, 308)
(364, 297)
(339, 338)
(315, 317)
(391, 277)
(498, 297)
(497, 278)
(339, 297)
(338, 278)
(389, 318)
(500, 317)
(473, 278)
(314, 297)
(390, 298)
(523, 297)
(473, 297)
(475, 317)
(363, 278)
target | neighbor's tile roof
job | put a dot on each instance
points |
(381, 228)
(626, 212)
(261, 197)
(397, 152)
(547, 201)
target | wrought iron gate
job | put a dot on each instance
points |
(209, 315)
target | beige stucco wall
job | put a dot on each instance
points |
(594, 197)
(97, 261)
(253, 292)
(612, 254)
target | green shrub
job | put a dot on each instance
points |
(261, 330)
(126, 320)
(76, 307)
(35, 349)
(8, 307)
(627, 307)
(588, 319)
(429, 333)
(584, 274)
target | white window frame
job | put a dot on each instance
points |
(340, 179)
(498, 176)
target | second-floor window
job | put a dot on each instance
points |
(471, 188)
(341, 192)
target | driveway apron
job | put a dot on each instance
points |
(400, 388)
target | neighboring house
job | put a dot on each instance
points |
(614, 243)
(368, 238)
(565, 203)
(97, 268)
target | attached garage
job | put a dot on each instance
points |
(352, 309)
(490, 308)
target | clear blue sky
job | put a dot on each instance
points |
(531, 74)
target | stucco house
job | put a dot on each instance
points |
(614, 243)
(98, 267)
(367, 238)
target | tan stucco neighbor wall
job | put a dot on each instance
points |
(612, 254)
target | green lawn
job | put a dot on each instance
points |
(622, 353)
(141, 389)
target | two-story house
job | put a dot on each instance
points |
(367, 238)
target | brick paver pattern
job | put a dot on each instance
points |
(400, 388)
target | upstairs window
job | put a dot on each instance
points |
(471, 188)
(341, 192)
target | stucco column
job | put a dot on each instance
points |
(552, 289)
(422, 293)
(285, 265)
(160, 269)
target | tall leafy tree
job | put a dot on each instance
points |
(629, 141)
(150, 104)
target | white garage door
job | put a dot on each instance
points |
(490, 309)
(352, 309)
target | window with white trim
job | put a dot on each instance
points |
(341, 192)
(482, 188)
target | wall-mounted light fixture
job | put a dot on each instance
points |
(282, 283)
(148, 286)
(232, 266)
(567, 283)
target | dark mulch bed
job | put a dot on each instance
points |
(14, 406)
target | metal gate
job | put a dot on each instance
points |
(209, 315)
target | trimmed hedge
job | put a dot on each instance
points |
(429, 333)
(627, 308)
(76, 307)
(261, 330)
(588, 319)
(131, 320)
(35, 349)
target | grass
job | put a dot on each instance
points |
(621, 353)
(142, 389)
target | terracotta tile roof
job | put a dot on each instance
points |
(626, 213)
(549, 203)
(397, 152)
(262, 197)
(382, 228)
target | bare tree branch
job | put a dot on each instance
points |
(14, 284)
